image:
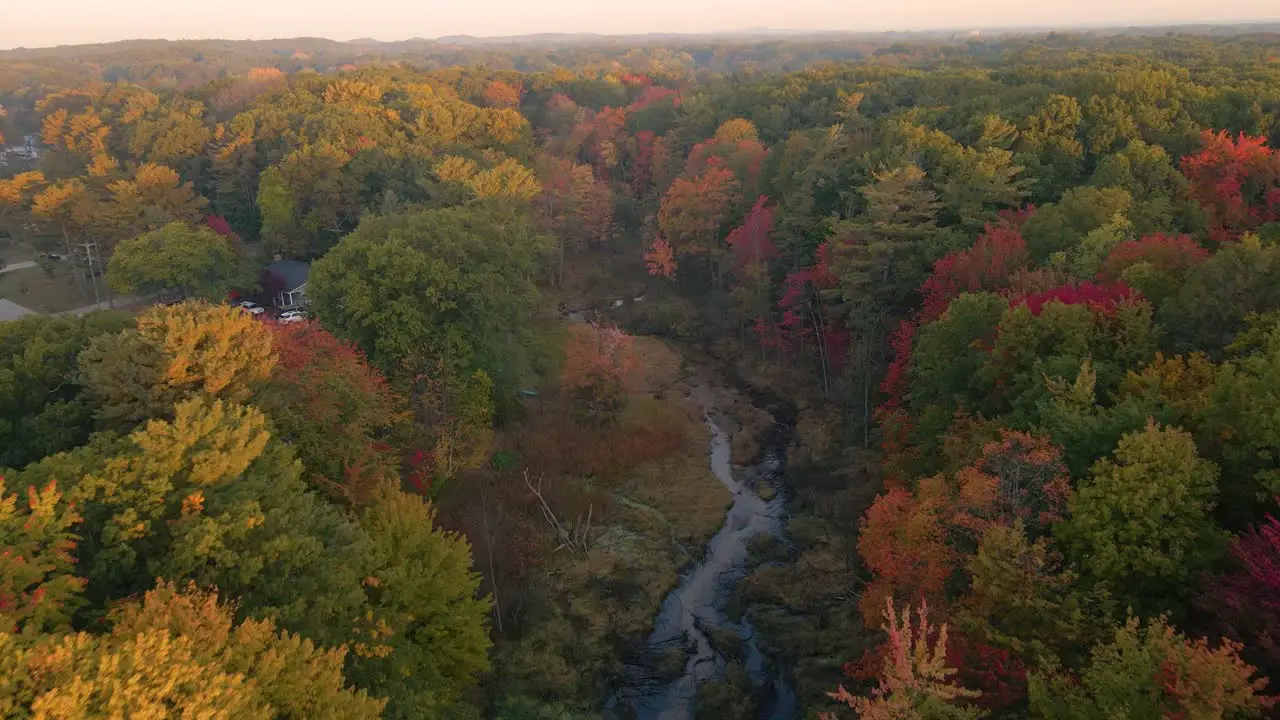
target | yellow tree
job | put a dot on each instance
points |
(37, 589)
(193, 349)
(507, 179)
(178, 654)
(155, 196)
(15, 196)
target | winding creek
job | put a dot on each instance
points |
(694, 611)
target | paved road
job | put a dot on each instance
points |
(18, 266)
(119, 302)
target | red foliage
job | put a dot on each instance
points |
(905, 541)
(1235, 181)
(895, 384)
(694, 209)
(805, 318)
(998, 253)
(1017, 218)
(1250, 596)
(219, 224)
(642, 166)
(745, 157)
(661, 259)
(326, 394)
(503, 95)
(606, 129)
(1169, 253)
(750, 241)
(1103, 298)
(1020, 477)
(651, 96)
(995, 672)
(639, 79)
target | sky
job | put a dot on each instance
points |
(64, 22)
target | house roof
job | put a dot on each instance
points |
(10, 310)
(292, 272)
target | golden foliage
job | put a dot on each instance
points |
(736, 130)
(219, 349)
(455, 169)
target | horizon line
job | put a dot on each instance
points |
(741, 32)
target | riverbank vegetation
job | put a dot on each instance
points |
(1014, 298)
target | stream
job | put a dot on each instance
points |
(695, 610)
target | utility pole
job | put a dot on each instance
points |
(90, 250)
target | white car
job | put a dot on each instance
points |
(292, 316)
(251, 307)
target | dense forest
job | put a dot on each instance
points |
(999, 317)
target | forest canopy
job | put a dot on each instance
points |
(1012, 302)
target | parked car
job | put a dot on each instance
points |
(292, 316)
(251, 307)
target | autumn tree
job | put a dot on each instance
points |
(178, 351)
(16, 194)
(916, 681)
(598, 359)
(153, 197)
(1150, 671)
(180, 652)
(192, 261)
(997, 254)
(1247, 597)
(39, 591)
(694, 211)
(1236, 181)
(332, 407)
(1157, 265)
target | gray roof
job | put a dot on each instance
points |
(292, 272)
(10, 310)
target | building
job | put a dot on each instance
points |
(288, 280)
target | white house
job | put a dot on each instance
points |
(292, 281)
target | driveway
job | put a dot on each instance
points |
(14, 267)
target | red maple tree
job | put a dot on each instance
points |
(1236, 181)
(1168, 253)
(997, 255)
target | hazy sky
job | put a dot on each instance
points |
(39, 23)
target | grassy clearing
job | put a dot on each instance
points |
(34, 289)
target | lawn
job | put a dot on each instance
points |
(34, 289)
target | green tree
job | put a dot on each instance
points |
(1209, 307)
(192, 261)
(1142, 523)
(881, 256)
(43, 407)
(1238, 425)
(1153, 672)
(1060, 226)
(447, 288)
(430, 636)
